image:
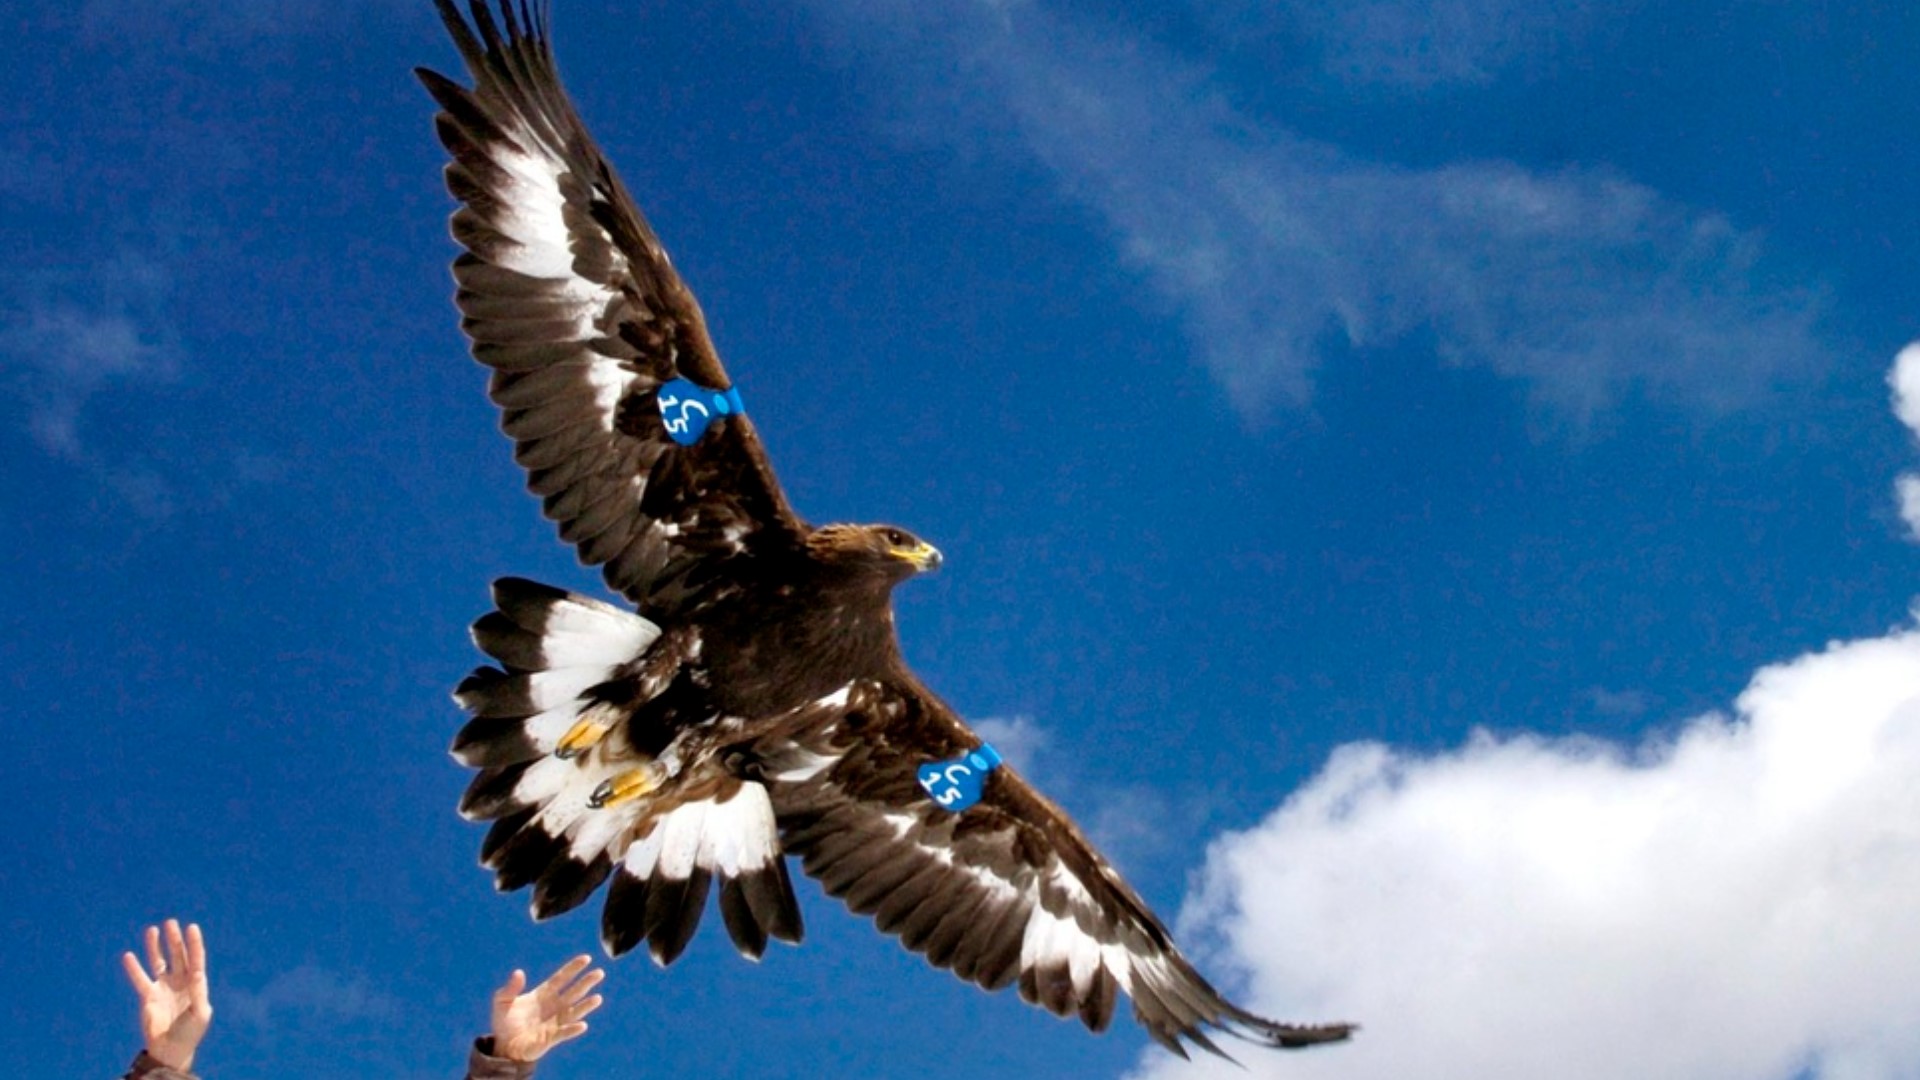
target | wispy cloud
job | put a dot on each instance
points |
(1408, 45)
(1131, 823)
(1019, 739)
(306, 998)
(77, 353)
(1279, 251)
(1905, 380)
(1618, 704)
(68, 339)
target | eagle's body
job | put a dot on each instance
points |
(805, 622)
(755, 704)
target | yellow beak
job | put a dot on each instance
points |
(924, 556)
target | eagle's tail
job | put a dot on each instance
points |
(568, 805)
(555, 647)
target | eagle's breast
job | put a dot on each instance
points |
(802, 632)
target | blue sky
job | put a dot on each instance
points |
(1469, 420)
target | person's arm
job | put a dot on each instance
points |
(527, 1025)
(175, 1009)
(146, 1067)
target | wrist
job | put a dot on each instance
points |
(509, 1048)
(172, 1057)
(148, 1067)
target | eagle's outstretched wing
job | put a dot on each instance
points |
(1006, 891)
(569, 298)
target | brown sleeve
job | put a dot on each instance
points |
(482, 1065)
(147, 1067)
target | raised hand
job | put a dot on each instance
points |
(174, 1007)
(526, 1026)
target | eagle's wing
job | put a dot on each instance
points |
(1008, 890)
(570, 299)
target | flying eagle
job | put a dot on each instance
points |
(755, 705)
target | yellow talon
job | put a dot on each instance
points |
(581, 737)
(627, 786)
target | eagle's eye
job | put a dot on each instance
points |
(895, 537)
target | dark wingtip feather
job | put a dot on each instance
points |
(749, 937)
(490, 795)
(522, 598)
(475, 685)
(437, 84)
(492, 741)
(526, 857)
(567, 883)
(463, 39)
(1199, 1038)
(623, 917)
(502, 831)
(1096, 1009)
(1295, 1036)
(515, 646)
(1169, 1041)
(1258, 1029)
(673, 914)
(782, 917)
(490, 692)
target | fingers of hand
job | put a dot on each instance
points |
(156, 961)
(571, 995)
(136, 974)
(196, 951)
(176, 948)
(579, 1010)
(567, 971)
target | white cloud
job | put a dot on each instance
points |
(1905, 380)
(305, 998)
(1734, 902)
(1275, 249)
(1906, 492)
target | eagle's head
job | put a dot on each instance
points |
(884, 551)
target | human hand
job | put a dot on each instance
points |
(526, 1026)
(174, 1007)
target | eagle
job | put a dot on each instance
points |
(753, 705)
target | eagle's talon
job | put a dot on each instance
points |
(580, 738)
(625, 787)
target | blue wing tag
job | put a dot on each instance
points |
(688, 409)
(956, 784)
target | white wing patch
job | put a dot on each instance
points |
(581, 632)
(611, 385)
(728, 837)
(796, 763)
(533, 216)
(1055, 940)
